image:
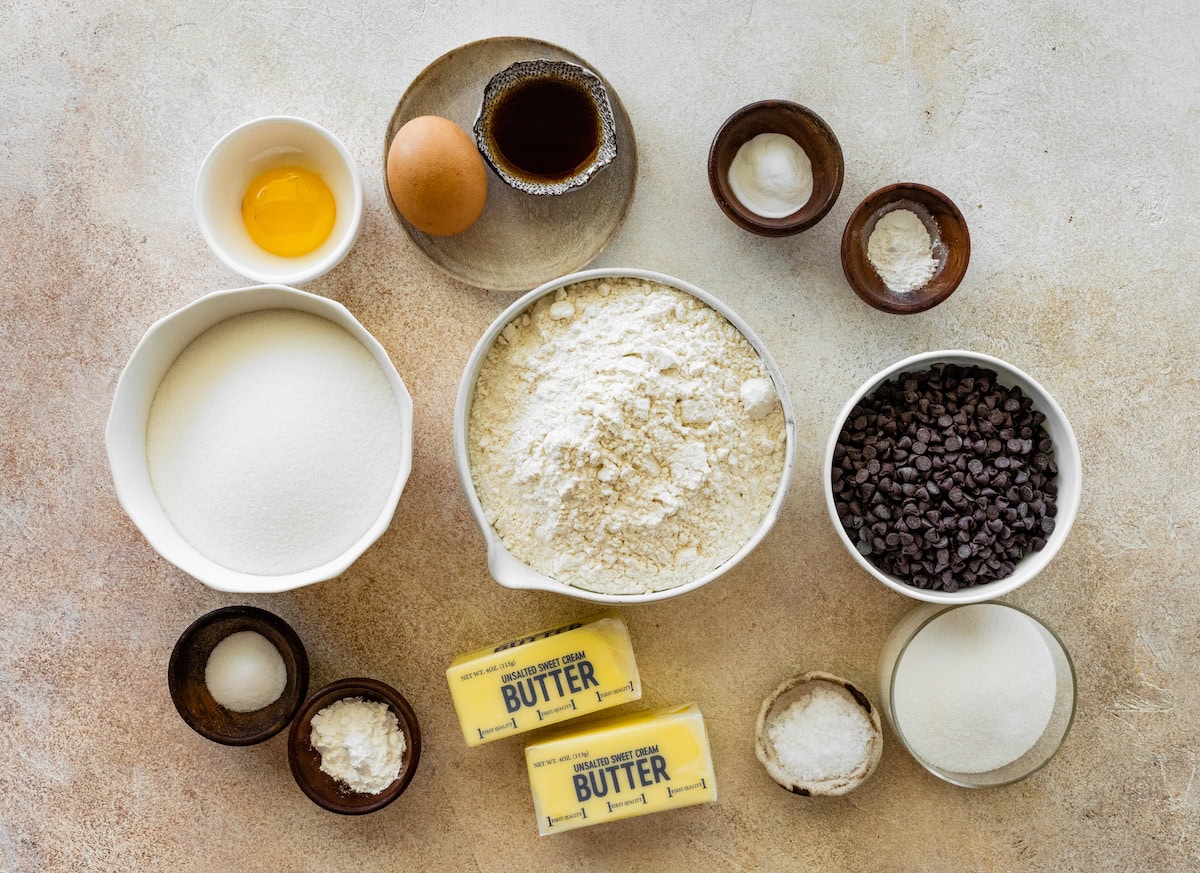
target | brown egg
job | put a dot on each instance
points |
(436, 176)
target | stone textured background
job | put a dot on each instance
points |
(1067, 134)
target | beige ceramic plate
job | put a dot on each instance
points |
(520, 241)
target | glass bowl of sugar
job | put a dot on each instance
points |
(981, 695)
(259, 439)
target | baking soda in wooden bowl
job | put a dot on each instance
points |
(273, 442)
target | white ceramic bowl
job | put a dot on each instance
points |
(125, 436)
(1066, 457)
(513, 573)
(253, 148)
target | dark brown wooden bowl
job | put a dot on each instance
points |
(321, 788)
(953, 254)
(185, 676)
(809, 131)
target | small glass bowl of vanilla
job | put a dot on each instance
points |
(279, 199)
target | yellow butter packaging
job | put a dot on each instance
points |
(619, 768)
(544, 678)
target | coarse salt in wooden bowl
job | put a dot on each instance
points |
(775, 708)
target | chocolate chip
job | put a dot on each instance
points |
(945, 477)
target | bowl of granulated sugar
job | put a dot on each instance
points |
(622, 437)
(982, 695)
(260, 438)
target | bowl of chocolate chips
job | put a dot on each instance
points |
(952, 477)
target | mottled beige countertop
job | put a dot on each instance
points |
(1067, 134)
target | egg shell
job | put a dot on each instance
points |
(436, 176)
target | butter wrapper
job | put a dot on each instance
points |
(620, 768)
(544, 678)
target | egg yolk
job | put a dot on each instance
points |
(288, 211)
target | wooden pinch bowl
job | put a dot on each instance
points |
(792, 690)
(809, 131)
(952, 247)
(185, 676)
(321, 788)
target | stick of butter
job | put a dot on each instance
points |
(544, 678)
(620, 768)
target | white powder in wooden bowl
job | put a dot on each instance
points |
(624, 437)
(245, 672)
(360, 743)
(273, 442)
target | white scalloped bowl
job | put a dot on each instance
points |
(125, 436)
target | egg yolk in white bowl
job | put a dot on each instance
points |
(288, 211)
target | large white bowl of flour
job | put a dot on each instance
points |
(260, 438)
(622, 437)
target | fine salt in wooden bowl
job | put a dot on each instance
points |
(185, 676)
(809, 131)
(952, 247)
(321, 788)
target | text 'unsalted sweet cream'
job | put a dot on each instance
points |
(620, 768)
(544, 678)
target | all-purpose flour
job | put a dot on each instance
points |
(624, 437)
(273, 442)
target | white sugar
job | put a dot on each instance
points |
(273, 442)
(823, 735)
(975, 689)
